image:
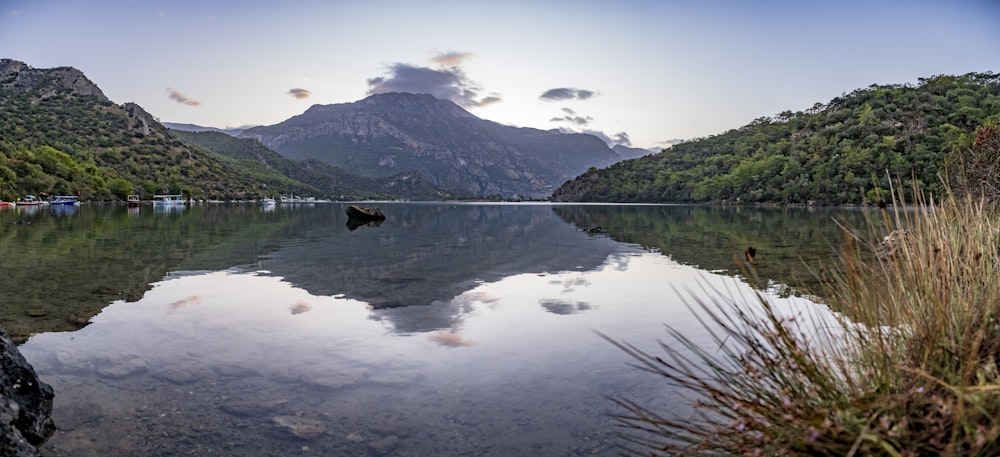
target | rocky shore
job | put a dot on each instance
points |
(25, 404)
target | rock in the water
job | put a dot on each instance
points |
(249, 408)
(365, 214)
(25, 403)
(301, 427)
(385, 444)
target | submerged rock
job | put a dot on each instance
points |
(301, 427)
(384, 445)
(25, 403)
(252, 408)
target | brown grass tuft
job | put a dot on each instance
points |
(903, 363)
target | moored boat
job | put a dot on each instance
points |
(29, 200)
(168, 200)
(132, 201)
(65, 200)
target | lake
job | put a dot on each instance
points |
(449, 329)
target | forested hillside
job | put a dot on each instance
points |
(322, 178)
(843, 152)
(60, 135)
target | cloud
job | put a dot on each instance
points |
(299, 93)
(451, 59)
(669, 143)
(566, 93)
(447, 82)
(181, 98)
(578, 120)
(621, 138)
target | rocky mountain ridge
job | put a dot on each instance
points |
(385, 134)
(18, 76)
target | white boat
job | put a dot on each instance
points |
(29, 200)
(168, 200)
(267, 201)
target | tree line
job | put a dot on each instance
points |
(844, 152)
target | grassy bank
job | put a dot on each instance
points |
(905, 364)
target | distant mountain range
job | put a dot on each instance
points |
(236, 131)
(59, 134)
(626, 152)
(455, 151)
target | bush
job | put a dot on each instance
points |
(905, 365)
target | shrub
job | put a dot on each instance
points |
(904, 365)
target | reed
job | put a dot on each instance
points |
(900, 360)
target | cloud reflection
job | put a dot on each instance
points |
(449, 338)
(300, 307)
(564, 307)
(183, 303)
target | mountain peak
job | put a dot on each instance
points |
(412, 102)
(390, 133)
(19, 76)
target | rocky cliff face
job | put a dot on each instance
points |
(48, 82)
(387, 134)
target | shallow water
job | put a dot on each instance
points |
(451, 329)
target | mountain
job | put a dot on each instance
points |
(236, 131)
(60, 135)
(842, 152)
(455, 151)
(46, 83)
(326, 178)
(627, 152)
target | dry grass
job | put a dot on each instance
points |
(905, 365)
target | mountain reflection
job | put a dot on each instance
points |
(788, 241)
(415, 267)
(415, 270)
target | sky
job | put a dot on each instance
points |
(642, 73)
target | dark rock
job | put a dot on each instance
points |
(365, 214)
(25, 403)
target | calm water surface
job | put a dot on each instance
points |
(450, 329)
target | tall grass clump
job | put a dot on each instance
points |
(902, 363)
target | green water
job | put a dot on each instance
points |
(449, 329)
